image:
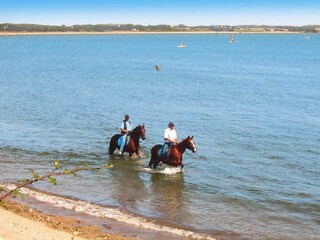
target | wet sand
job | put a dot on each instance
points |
(70, 222)
(18, 222)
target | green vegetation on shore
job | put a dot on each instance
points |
(9, 27)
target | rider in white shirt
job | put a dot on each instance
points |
(170, 137)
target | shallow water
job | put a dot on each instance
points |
(253, 107)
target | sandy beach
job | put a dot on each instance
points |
(34, 216)
(18, 222)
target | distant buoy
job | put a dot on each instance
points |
(157, 68)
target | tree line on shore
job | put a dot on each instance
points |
(9, 27)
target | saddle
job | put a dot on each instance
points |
(166, 154)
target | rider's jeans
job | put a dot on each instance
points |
(164, 148)
(125, 139)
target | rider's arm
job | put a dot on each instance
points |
(122, 128)
(176, 137)
(174, 141)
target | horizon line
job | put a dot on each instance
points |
(175, 25)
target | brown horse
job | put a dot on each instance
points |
(133, 144)
(175, 155)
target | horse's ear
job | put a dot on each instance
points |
(191, 137)
(188, 137)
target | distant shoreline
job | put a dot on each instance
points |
(137, 33)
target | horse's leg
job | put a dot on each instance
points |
(154, 158)
(157, 161)
(151, 161)
(182, 165)
(130, 148)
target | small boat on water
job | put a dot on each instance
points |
(307, 37)
(181, 45)
(231, 38)
(157, 68)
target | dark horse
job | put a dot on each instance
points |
(133, 144)
(175, 156)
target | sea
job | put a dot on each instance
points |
(253, 107)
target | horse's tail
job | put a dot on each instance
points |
(154, 159)
(113, 143)
(151, 162)
(109, 150)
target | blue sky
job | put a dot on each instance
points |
(196, 12)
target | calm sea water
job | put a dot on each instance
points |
(253, 107)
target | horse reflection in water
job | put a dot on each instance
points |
(125, 184)
(175, 156)
(133, 145)
(171, 197)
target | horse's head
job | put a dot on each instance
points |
(191, 145)
(140, 131)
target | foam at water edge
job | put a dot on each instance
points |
(99, 211)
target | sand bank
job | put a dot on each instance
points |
(18, 222)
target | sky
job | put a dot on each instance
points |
(172, 12)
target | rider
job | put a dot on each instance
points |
(125, 131)
(170, 138)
